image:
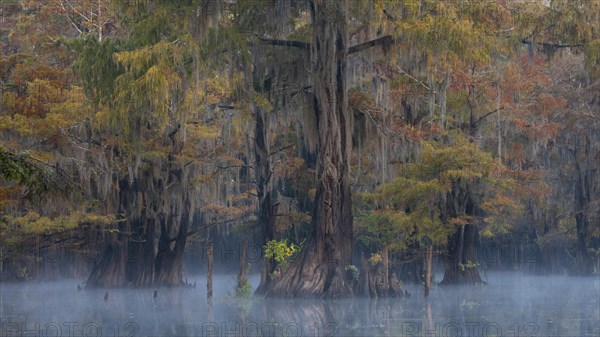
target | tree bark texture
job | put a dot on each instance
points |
(460, 263)
(266, 216)
(319, 268)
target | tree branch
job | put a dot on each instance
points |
(382, 41)
(282, 149)
(485, 115)
(528, 41)
(413, 78)
(285, 43)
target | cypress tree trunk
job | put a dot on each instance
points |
(583, 261)
(428, 263)
(129, 256)
(110, 268)
(145, 276)
(241, 280)
(386, 266)
(375, 282)
(319, 268)
(169, 262)
(210, 252)
(459, 265)
(266, 218)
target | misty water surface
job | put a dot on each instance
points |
(510, 304)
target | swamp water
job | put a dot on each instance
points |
(510, 304)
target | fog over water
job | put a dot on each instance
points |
(511, 304)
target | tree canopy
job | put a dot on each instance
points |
(395, 125)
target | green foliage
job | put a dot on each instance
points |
(454, 33)
(245, 291)
(592, 60)
(23, 273)
(385, 227)
(96, 66)
(281, 252)
(353, 271)
(458, 161)
(33, 223)
(36, 177)
(595, 253)
(411, 208)
(468, 265)
(167, 83)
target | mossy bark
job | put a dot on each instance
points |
(319, 270)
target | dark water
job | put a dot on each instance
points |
(510, 304)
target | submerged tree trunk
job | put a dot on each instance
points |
(110, 268)
(583, 261)
(209, 271)
(129, 256)
(460, 265)
(241, 280)
(319, 268)
(145, 276)
(168, 264)
(266, 216)
(428, 263)
(374, 282)
(386, 266)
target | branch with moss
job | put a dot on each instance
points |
(37, 177)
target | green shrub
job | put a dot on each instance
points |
(281, 252)
(353, 271)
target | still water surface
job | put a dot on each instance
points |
(511, 304)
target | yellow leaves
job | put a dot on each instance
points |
(222, 212)
(102, 118)
(462, 220)
(280, 251)
(34, 223)
(262, 102)
(486, 233)
(154, 155)
(460, 160)
(454, 34)
(501, 205)
(192, 99)
(40, 96)
(375, 258)
(8, 197)
(592, 57)
(139, 60)
(312, 193)
(18, 123)
(41, 156)
(157, 78)
(75, 107)
(217, 88)
(288, 168)
(466, 174)
(231, 161)
(201, 179)
(202, 131)
(146, 93)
